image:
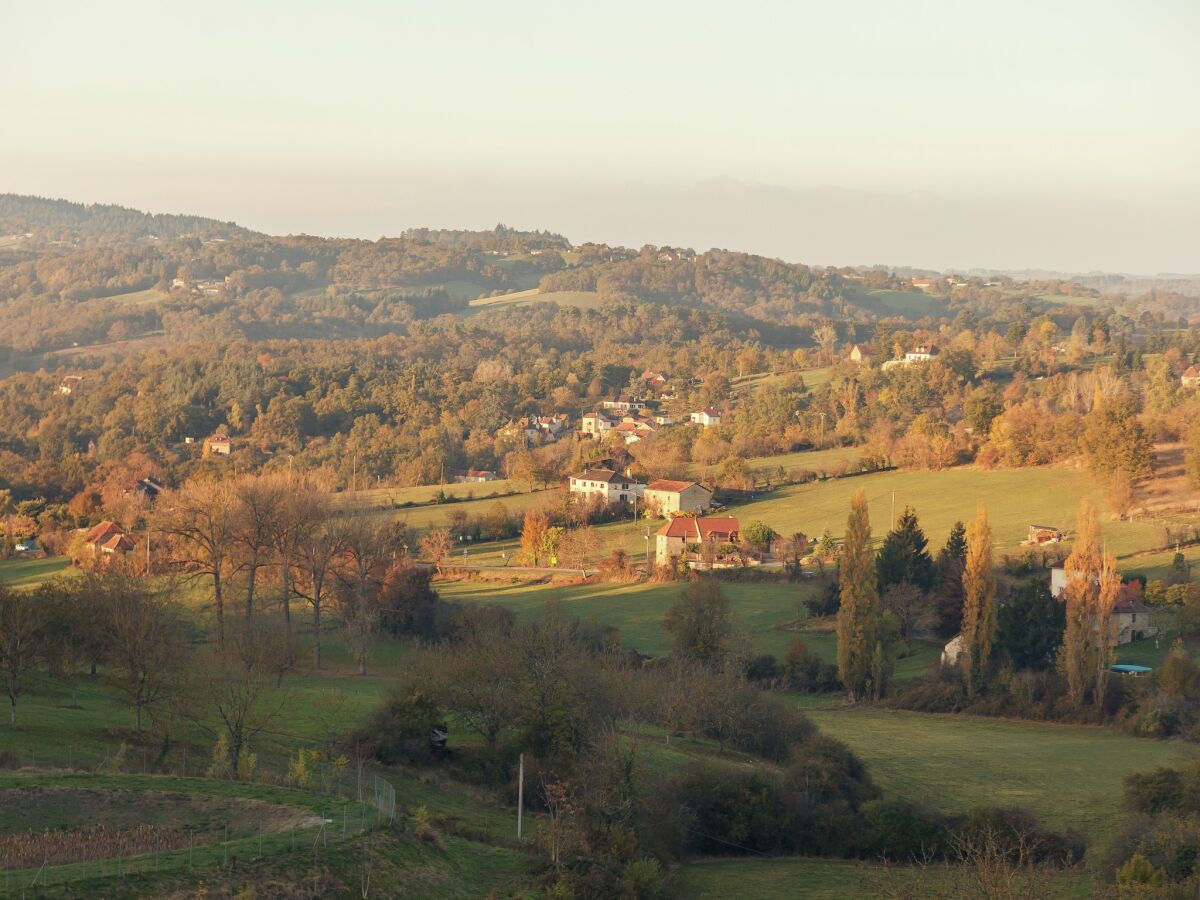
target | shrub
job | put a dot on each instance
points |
(901, 831)
(1138, 870)
(826, 602)
(808, 673)
(399, 730)
(1153, 792)
(763, 668)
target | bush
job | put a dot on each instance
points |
(1153, 792)
(1016, 833)
(902, 832)
(763, 668)
(807, 673)
(826, 602)
(399, 730)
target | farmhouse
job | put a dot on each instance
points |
(706, 417)
(146, 489)
(624, 404)
(70, 384)
(654, 378)
(218, 445)
(665, 498)
(612, 487)
(107, 541)
(1044, 534)
(1190, 377)
(1131, 619)
(861, 354)
(474, 476)
(683, 536)
(953, 650)
(634, 430)
(532, 427)
(595, 425)
(921, 353)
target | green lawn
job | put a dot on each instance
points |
(437, 515)
(831, 460)
(822, 879)
(29, 572)
(386, 497)
(638, 609)
(579, 299)
(1014, 499)
(912, 304)
(1068, 775)
(140, 298)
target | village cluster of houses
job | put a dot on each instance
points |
(689, 533)
(636, 418)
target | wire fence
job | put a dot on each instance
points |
(86, 856)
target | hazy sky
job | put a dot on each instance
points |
(951, 133)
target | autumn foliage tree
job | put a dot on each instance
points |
(858, 618)
(979, 602)
(1091, 591)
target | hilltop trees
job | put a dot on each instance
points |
(858, 617)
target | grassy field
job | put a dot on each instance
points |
(638, 609)
(912, 304)
(1014, 499)
(766, 614)
(387, 497)
(1068, 775)
(579, 299)
(823, 879)
(29, 572)
(807, 460)
(232, 837)
(140, 298)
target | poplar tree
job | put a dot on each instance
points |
(979, 602)
(1092, 585)
(858, 618)
(1081, 596)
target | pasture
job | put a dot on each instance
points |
(31, 572)
(826, 879)
(578, 299)
(910, 304)
(148, 297)
(768, 616)
(1070, 775)
(1015, 499)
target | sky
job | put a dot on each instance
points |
(934, 133)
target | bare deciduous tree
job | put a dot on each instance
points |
(199, 519)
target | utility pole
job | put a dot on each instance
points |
(521, 798)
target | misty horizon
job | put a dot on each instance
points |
(934, 136)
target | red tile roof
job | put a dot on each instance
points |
(102, 531)
(721, 528)
(664, 485)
